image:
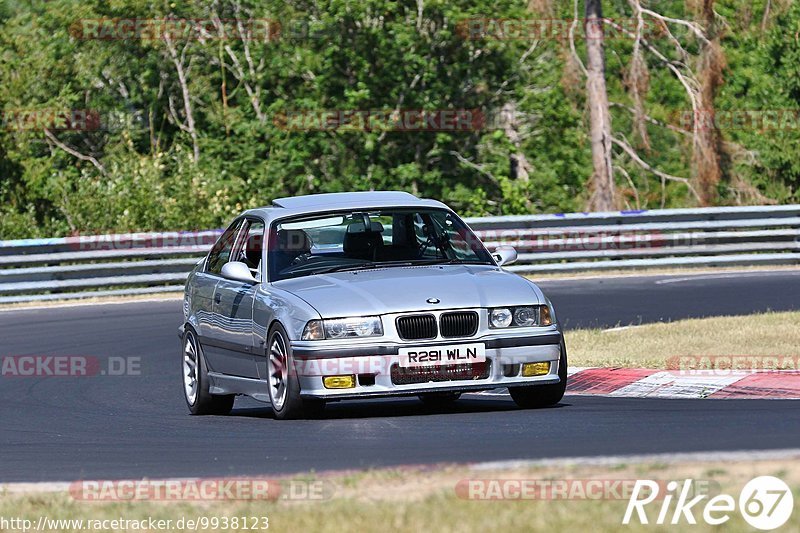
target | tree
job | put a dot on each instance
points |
(601, 183)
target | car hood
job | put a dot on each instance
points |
(404, 289)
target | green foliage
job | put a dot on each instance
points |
(138, 171)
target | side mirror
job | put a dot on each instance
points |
(505, 255)
(237, 271)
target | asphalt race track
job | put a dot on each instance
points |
(624, 300)
(119, 427)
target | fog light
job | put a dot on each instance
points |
(339, 382)
(535, 369)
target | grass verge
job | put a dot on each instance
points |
(416, 499)
(652, 345)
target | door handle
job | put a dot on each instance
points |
(217, 298)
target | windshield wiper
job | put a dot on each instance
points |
(456, 261)
(372, 264)
(347, 268)
(390, 264)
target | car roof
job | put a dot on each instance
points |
(316, 203)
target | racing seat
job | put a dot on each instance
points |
(362, 243)
(404, 244)
(291, 244)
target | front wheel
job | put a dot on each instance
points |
(536, 396)
(196, 383)
(282, 380)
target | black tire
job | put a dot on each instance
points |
(439, 400)
(288, 405)
(202, 402)
(537, 396)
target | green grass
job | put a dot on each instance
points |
(652, 345)
(426, 500)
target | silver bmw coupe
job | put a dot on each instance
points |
(340, 296)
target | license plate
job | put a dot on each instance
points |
(442, 355)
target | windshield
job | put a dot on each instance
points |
(356, 240)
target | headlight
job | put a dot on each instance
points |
(517, 317)
(500, 318)
(342, 328)
(526, 316)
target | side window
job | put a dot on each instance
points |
(221, 252)
(249, 252)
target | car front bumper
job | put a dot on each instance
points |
(373, 366)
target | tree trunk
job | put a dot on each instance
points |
(519, 166)
(707, 150)
(601, 183)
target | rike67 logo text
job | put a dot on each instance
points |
(765, 503)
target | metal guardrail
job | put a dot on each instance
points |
(714, 236)
(145, 263)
